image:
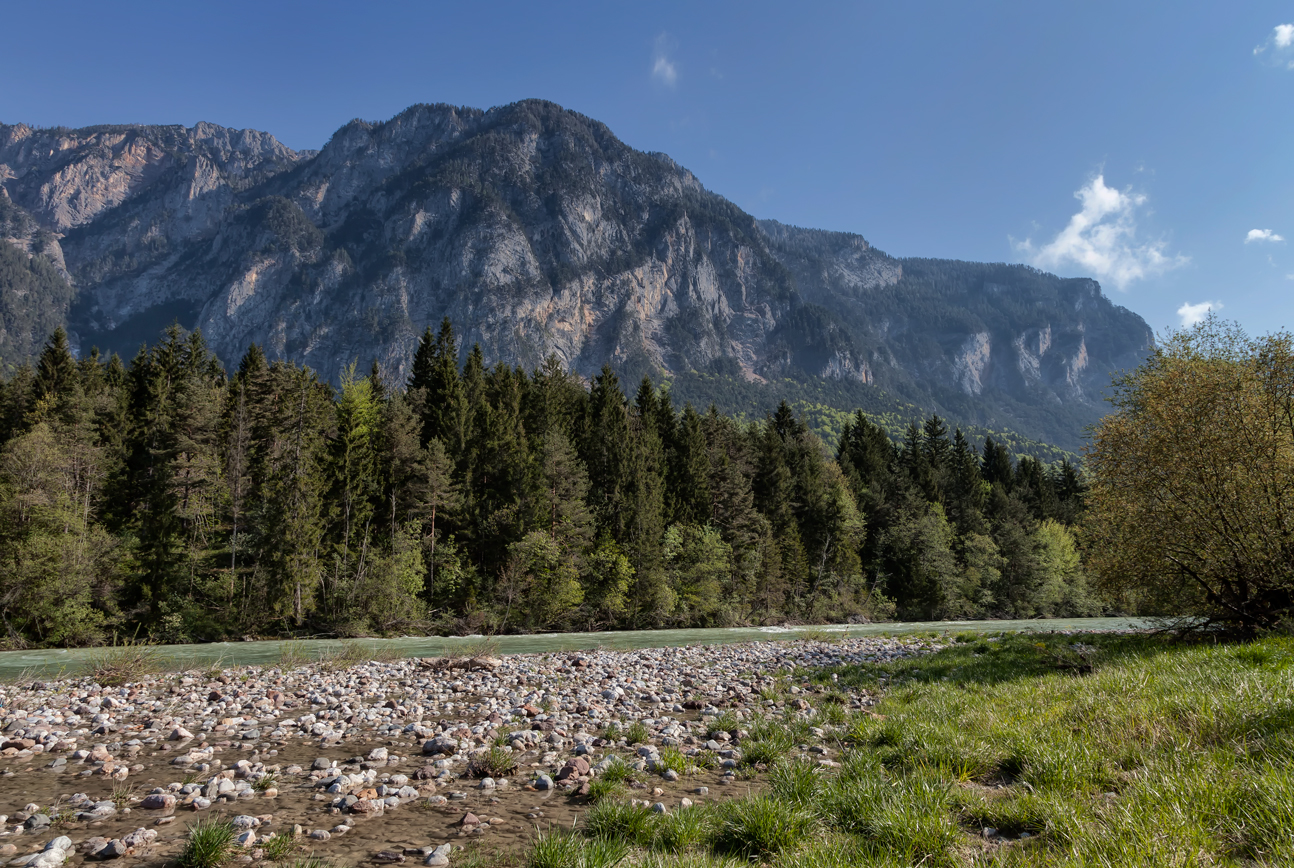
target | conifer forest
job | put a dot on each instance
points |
(168, 498)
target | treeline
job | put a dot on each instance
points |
(170, 499)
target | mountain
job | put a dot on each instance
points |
(536, 231)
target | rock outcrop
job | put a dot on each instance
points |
(538, 232)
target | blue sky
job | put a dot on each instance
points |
(1145, 144)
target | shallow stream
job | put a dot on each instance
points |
(51, 661)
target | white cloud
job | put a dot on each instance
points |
(1280, 44)
(1102, 239)
(1262, 235)
(663, 68)
(1195, 313)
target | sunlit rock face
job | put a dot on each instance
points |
(537, 232)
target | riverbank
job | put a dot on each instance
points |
(352, 761)
(58, 662)
(1046, 749)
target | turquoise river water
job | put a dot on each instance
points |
(49, 662)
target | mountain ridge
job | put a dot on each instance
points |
(537, 232)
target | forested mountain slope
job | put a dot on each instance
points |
(538, 232)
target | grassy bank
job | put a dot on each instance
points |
(1021, 750)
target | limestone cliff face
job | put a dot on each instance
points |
(538, 232)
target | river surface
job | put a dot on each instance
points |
(49, 662)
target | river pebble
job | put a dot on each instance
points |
(539, 719)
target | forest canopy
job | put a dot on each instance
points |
(168, 498)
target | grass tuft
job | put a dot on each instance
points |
(278, 847)
(616, 820)
(760, 827)
(684, 830)
(617, 771)
(293, 654)
(637, 733)
(673, 758)
(566, 850)
(496, 762)
(769, 741)
(210, 844)
(130, 661)
(600, 788)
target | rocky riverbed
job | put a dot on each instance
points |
(394, 761)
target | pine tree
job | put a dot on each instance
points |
(689, 476)
(445, 404)
(965, 496)
(354, 490)
(645, 504)
(996, 466)
(166, 493)
(57, 382)
(605, 451)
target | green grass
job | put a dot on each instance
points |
(565, 850)
(637, 733)
(725, 722)
(210, 844)
(293, 654)
(122, 794)
(817, 634)
(279, 846)
(494, 762)
(352, 652)
(130, 660)
(673, 758)
(616, 820)
(617, 771)
(600, 788)
(708, 760)
(1091, 750)
(684, 830)
(760, 827)
(770, 740)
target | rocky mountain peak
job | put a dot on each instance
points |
(538, 232)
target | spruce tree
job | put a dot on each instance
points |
(996, 466)
(605, 450)
(689, 476)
